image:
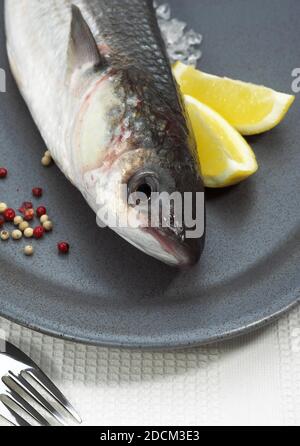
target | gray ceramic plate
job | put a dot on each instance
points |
(106, 292)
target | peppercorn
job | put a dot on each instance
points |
(3, 207)
(24, 225)
(28, 250)
(48, 226)
(29, 214)
(3, 172)
(63, 247)
(44, 218)
(18, 220)
(46, 161)
(41, 210)
(28, 233)
(37, 192)
(9, 215)
(4, 235)
(17, 234)
(38, 232)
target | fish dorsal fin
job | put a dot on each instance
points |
(83, 50)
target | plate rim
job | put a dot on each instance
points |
(195, 341)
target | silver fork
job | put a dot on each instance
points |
(15, 368)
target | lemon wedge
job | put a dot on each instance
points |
(225, 157)
(250, 108)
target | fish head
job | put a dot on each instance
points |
(141, 174)
(161, 206)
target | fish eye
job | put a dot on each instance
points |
(142, 185)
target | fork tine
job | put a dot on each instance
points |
(45, 382)
(11, 416)
(33, 393)
(19, 401)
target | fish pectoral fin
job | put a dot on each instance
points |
(83, 49)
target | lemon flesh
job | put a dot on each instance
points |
(250, 108)
(225, 157)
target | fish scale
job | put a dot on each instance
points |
(97, 80)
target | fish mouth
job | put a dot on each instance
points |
(174, 251)
(163, 245)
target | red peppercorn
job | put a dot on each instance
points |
(9, 214)
(63, 247)
(2, 221)
(28, 214)
(41, 211)
(38, 232)
(37, 192)
(3, 172)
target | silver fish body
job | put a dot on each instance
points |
(97, 80)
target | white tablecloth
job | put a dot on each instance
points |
(252, 380)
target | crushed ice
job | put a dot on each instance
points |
(182, 44)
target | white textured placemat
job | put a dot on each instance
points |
(252, 380)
